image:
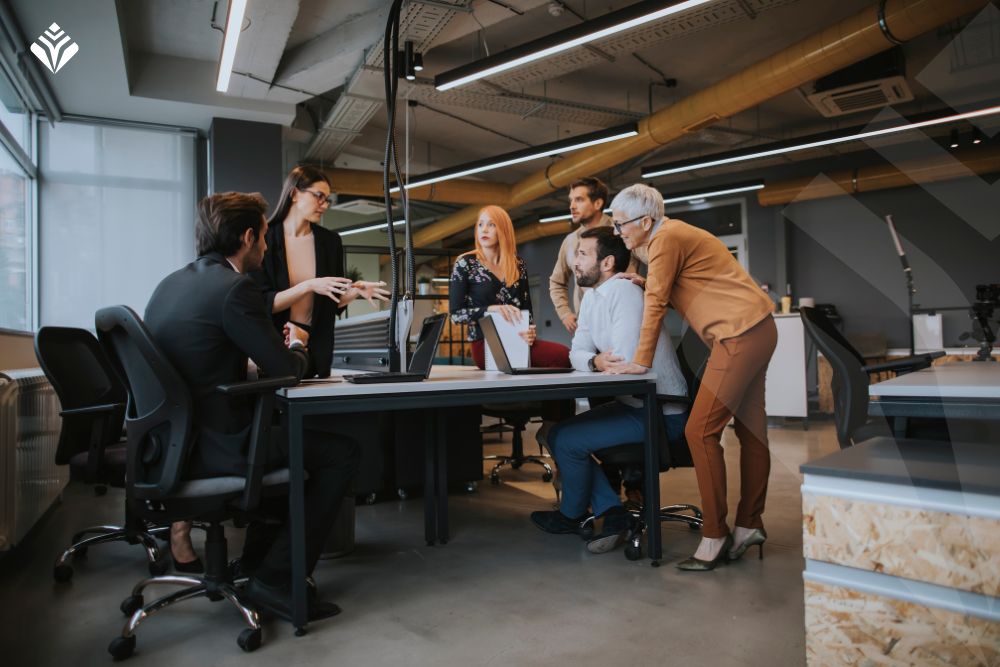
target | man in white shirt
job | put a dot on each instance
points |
(607, 331)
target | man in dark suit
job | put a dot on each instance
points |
(209, 318)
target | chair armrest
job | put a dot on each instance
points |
(92, 409)
(257, 386)
(665, 399)
(906, 364)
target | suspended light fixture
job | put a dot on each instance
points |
(953, 143)
(369, 228)
(695, 195)
(630, 17)
(524, 155)
(234, 25)
(815, 141)
(556, 217)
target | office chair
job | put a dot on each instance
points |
(821, 324)
(93, 411)
(160, 430)
(692, 355)
(516, 416)
(851, 379)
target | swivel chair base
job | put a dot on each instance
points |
(515, 462)
(62, 571)
(216, 584)
(681, 513)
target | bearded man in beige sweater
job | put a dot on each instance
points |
(587, 199)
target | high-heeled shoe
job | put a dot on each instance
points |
(756, 537)
(698, 565)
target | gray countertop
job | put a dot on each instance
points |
(965, 467)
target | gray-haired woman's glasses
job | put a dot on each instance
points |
(619, 225)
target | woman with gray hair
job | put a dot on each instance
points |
(693, 272)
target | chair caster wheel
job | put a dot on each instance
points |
(249, 640)
(403, 495)
(300, 632)
(470, 487)
(62, 573)
(495, 480)
(692, 526)
(100, 490)
(159, 567)
(121, 648)
(655, 563)
(131, 604)
(547, 477)
(371, 498)
(633, 552)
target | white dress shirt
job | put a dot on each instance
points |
(609, 320)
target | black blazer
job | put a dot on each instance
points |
(208, 319)
(273, 278)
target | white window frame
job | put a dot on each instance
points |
(737, 243)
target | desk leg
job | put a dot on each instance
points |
(652, 495)
(441, 437)
(297, 520)
(899, 427)
(430, 478)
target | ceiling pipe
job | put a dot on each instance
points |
(844, 43)
(459, 191)
(958, 164)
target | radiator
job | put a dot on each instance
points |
(30, 480)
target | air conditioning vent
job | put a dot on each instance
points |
(360, 207)
(859, 97)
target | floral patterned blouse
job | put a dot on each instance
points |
(473, 289)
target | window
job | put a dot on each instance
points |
(116, 215)
(15, 277)
(725, 219)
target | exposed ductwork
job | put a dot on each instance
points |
(959, 164)
(829, 50)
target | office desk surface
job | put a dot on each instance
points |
(971, 379)
(456, 379)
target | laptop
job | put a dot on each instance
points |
(420, 362)
(489, 329)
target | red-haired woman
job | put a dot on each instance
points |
(493, 279)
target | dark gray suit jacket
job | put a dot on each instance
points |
(208, 319)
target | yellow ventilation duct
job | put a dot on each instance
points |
(829, 50)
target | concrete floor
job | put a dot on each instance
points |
(500, 593)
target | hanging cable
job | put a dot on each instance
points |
(389, 58)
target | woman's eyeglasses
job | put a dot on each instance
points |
(320, 197)
(619, 225)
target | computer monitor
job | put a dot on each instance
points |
(427, 341)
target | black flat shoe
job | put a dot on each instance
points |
(556, 522)
(276, 601)
(693, 564)
(191, 567)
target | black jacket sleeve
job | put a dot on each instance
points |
(247, 322)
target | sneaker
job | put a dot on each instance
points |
(614, 529)
(556, 523)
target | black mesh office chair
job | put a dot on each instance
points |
(159, 426)
(515, 417)
(851, 378)
(93, 412)
(692, 355)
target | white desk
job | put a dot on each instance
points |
(968, 390)
(448, 387)
(960, 379)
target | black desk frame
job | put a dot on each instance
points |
(295, 410)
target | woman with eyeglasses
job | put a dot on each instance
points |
(694, 272)
(304, 264)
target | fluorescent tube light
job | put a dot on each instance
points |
(585, 33)
(817, 141)
(524, 155)
(566, 216)
(369, 228)
(705, 194)
(234, 25)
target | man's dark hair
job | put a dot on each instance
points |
(596, 189)
(609, 245)
(224, 218)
